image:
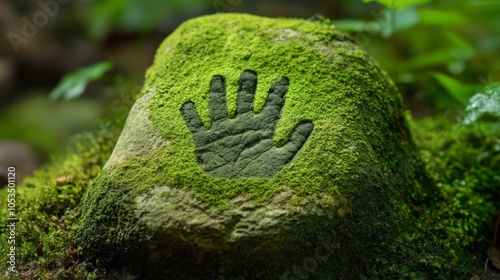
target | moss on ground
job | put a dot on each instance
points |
(465, 164)
(48, 210)
(440, 242)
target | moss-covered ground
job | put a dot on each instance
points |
(464, 161)
(47, 206)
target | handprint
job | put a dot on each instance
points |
(243, 146)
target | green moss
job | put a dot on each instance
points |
(359, 163)
(327, 74)
(465, 163)
(395, 223)
(463, 160)
(439, 242)
(48, 209)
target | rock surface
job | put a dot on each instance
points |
(258, 146)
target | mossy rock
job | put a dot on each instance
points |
(259, 148)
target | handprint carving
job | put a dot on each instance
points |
(243, 146)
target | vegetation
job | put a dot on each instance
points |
(463, 160)
(441, 55)
(48, 209)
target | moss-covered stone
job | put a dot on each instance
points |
(334, 206)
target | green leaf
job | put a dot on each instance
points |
(458, 53)
(460, 92)
(438, 17)
(398, 4)
(74, 84)
(349, 25)
(428, 59)
(104, 16)
(402, 19)
(458, 42)
(487, 101)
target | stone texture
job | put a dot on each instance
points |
(254, 141)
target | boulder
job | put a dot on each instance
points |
(259, 148)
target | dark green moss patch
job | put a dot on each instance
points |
(465, 163)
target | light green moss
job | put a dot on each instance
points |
(47, 206)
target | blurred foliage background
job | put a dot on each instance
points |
(85, 60)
